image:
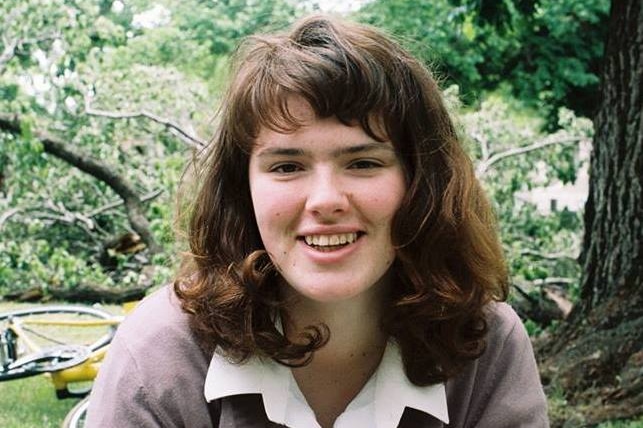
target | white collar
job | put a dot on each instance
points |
(393, 391)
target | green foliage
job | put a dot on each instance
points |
(54, 226)
(435, 32)
(220, 25)
(632, 423)
(547, 52)
(35, 263)
(533, 329)
(559, 60)
(56, 220)
(538, 244)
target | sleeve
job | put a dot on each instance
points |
(119, 397)
(502, 389)
(154, 372)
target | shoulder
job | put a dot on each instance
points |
(159, 315)
(506, 340)
(161, 302)
(157, 336)
(154, 369)
(505, 326)
(501, 388)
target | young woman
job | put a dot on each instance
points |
(344, 268)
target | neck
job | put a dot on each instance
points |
(341, 368)
(354, 325)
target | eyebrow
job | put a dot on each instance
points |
(359, 148)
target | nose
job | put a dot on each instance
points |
(326, 196)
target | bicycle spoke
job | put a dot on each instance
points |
(52, 338)
(43, 336)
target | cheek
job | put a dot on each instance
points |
(383, 204)
(263, 201)
(266, 214)
(274, 215)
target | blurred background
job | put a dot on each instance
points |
(102, 104)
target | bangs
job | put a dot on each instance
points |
(349, 77)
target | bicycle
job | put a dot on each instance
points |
(65, 343)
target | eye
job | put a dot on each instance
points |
(365, 164)
(285, 168)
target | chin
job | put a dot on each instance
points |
(331, 293)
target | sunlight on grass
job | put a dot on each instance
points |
(32, 403)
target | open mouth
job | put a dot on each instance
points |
(325, 243)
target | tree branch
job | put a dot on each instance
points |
(484, 145)
(542, 308)
(483, 165)
(524, 294)
(98, 170)
(550, 256)
(59, 213)
(115, 204)
(55, 213)
(70, 216)
(554, 281)
(189, 139)
(8, 52)
(7, 215)
(12, 46)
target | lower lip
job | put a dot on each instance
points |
(330, 257)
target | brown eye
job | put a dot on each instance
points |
(285, 168)
(365, 164)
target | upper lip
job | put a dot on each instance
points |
(330, 230)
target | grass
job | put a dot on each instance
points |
(561, 413)
(32, 403)
(637, 423)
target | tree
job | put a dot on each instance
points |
(100, 105)
(514, 158)
(545, 52)
(597, 356)
(130, 87)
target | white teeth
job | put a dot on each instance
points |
(330, 240)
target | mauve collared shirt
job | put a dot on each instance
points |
(154, 376)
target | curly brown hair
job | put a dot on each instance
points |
(449, 262)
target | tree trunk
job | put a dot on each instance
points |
(86, 294)
(597, 356)
(612, 256)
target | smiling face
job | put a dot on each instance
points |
(324, 198)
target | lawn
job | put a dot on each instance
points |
(32, 403)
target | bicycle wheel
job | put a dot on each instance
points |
(50, 338)
(77, 415)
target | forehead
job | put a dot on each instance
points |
(300, 125)
(317, 136)
(299, 109)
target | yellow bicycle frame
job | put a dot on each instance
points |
(83, 372)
